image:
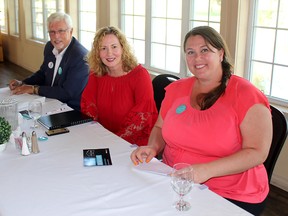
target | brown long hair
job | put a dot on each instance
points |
(129, 60)
(213, 38)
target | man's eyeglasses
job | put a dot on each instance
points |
(60, 32)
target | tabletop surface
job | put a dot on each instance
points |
(55, 182)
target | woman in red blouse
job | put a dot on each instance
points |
(119, 93)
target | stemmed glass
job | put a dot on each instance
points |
(182, 183)
(35, 111)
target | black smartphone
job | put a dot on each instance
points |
(56, 131)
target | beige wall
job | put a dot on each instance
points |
(29, 54)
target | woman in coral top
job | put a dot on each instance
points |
(217, 122)
(119, 93)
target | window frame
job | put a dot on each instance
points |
(16, 31)
(45, 15)
(80, 27)
(185, 26)
(249, 50)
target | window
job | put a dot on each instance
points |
(158, 40)
(11, 22)
(268, 63)
(166, 20)
(132, 16)
(3, 21)
(205, 12)
(41, 9)
(87, 22)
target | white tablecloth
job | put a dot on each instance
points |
(55, 182)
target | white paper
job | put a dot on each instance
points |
(55, 106)
(154, 166)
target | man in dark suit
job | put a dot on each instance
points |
(64, 72)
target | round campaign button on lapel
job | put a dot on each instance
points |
(50, 65)
(181, 109)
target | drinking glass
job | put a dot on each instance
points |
(35, 111)
(182, 183)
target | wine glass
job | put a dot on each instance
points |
(182, 183)
(35, 111)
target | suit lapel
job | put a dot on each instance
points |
(51, 66)
(61, 68)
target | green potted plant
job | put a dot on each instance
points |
(5, 132)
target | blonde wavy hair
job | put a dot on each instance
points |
(129, 61)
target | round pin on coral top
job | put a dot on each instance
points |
(181, 109)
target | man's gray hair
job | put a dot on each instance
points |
(59, 16)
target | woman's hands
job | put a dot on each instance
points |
(143, 154)
(200, 173)
(146, 154)
(155, 145)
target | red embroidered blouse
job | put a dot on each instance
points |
(124, 105)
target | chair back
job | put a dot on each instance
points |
(159, 83)
(279, 136)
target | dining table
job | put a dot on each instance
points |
(57, 182)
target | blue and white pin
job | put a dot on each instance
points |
(59, 70)
(180, 109)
